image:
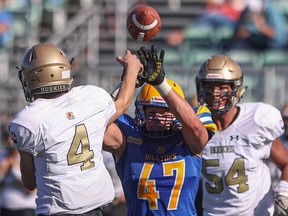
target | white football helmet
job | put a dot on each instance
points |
(45, 69)
(220, 69)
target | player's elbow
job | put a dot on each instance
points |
(197, 139)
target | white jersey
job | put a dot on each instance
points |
(236, 180)
(65, 136)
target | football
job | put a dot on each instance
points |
(143, 23)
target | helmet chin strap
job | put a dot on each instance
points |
(27, 95)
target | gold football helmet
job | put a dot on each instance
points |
(45, 69)
(220, 69)
(149, 96)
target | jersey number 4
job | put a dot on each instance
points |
(235, 176)
(79, 151)
(147, 187)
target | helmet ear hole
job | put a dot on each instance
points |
(31, 57)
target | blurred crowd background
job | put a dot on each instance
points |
(94, 33)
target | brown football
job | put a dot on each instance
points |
(143, 23)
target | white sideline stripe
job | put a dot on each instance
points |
(144, 27)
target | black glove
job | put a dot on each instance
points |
(139, 81)
(153, 72)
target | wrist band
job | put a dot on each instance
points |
(163, 88)
(282, 189)
(283, 184)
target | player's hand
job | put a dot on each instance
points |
(281, 199)
(132, 62)
(153, 72)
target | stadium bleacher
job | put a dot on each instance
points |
(94, 32)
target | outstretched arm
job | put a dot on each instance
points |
(194, 132)
(125, 95)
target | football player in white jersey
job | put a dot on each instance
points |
(236, 180)
(56, 135)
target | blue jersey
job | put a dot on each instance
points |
(159, 177)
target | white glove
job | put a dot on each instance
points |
(281, 199)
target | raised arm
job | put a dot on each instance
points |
(131, 66)
(194, 132)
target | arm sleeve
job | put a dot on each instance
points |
(22, 137)
(205, 117)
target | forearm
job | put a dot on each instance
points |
(132, 66)
(194, 132)
(27, 170)
(193, 129)
(125, 94)
(284, 174)
(180, 108)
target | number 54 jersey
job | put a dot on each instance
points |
(236, 180)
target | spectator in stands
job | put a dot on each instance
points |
(5, 26)
(59, 134)
(223, 13)
(236, 180)
(261, 26)
(220, 13)
(158, 152)
(16, 200)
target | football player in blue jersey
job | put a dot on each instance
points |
(158, 152)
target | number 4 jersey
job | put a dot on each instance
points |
(236, 180)
(65, 136)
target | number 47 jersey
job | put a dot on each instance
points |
(236, 180)
(159, 177)
(65, 137)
